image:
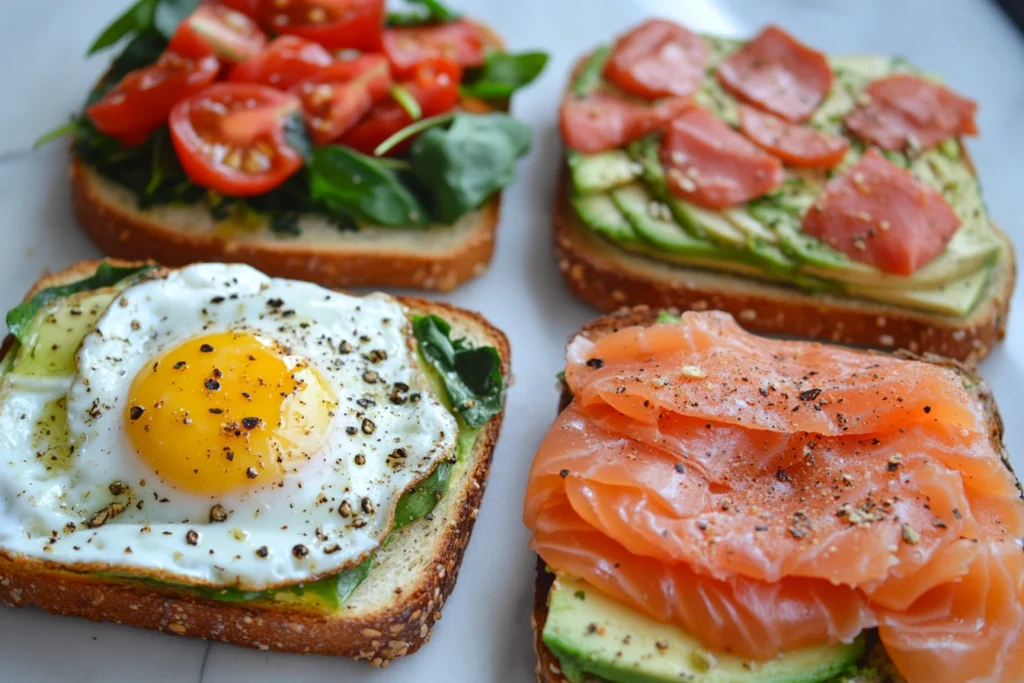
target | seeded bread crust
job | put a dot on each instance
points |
(438, 259)
(380, 622)
(548, 669)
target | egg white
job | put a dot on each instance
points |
(43, 507)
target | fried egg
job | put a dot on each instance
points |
(223, 428)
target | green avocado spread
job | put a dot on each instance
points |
(47, 339)
(621, 195)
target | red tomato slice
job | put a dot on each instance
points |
(607, 120)
(230, 138)
(796, 145)
(879, 214)
(338, 96)
(141, 102)
(285, 62)
(335, 24)
(905, 110)
(435, 85)
(249, 8)
(459, 41)
(656, 59)
(218, 30)
(711, 165)
(779, 74)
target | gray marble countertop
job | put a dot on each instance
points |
(485, 633)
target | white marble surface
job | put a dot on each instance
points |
(485, 634)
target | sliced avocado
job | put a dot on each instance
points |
(956, 298)
(602, 215)
(56, 332)
(653, 222)
(601, 172)
(594, 634)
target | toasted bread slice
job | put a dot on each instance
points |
(438, 258)
(608, 277)
(876, 667)
(390, 614)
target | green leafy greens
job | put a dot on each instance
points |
(428, 12)
(345, 181)
(145, 16)
(463, 165)
(471, 375)
(503, 73)
(19, 317)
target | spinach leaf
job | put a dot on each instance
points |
(590, 75)
(345, 181)
(19, 317)
(421, 499)
(471, 375)
(136, 18)
(297, 137)
(504, 73)
(144, 49)
(463, 165)
(145, 16)
(432, 12)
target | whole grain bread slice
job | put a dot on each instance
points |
(437, 258)
(390, 614)
(876, 667)
(608, 277)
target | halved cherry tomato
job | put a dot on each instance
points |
(230, 138)
(334, 99)
(249, 8)
(332, 23)
(285, 62)
(435, 85)
(218, 30)
(142, 100)
(459, 41)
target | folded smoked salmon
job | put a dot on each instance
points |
(716, 506)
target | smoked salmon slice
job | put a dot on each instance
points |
(772, 495)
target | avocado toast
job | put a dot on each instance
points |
(625, 234)
(594, 597)
(381, 607)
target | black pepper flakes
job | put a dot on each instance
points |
(251, 423)
(345, 347)
(251, 473)
(105, 515)
(810, 394)
(360, 459)
(136, 412)
(117, 488)
(595, 363)
(368, 426)
(216, 411)
(680, 467)
(345, 509)
(563, 474)
(370, 377)
(927, 409)
(275, 303)
(367, 506)
(180, 364)
(300, 551)
(262, 551)
(206, 348)
(192, 537)
(212, 384)
(351, 431)
(218, 513)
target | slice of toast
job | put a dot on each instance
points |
(608, 277)
(878, 667)
(438, 258)
(389, 615)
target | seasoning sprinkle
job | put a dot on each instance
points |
(206, 348)
(136, 412)
(300, 551)
(810, 394)
(251, 422)
(262, 551)
(192, 537)
(218, 513)
(595, 363)
(909, 535)
(251, 473)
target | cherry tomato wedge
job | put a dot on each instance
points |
(230, 138)
(218, 30)
(434, 85)
(334, 24)
(459, 41)
(142, 100)
(249, 8)
(339, 95)
(285, 62)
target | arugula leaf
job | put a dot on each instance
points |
(504, 73)
(343, 180)
(666, 317)
(63, 130)
(432, 12)
(136, 18)
(590, 76)
(19, 317)
(471, 375)
(463, 165)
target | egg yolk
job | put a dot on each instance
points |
(226, 411)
